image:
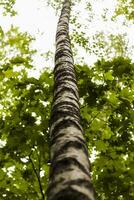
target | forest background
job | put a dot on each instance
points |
(102, 42)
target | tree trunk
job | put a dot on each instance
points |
(69, 173)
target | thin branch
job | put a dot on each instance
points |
(94, 117)
(39, 160)
(38, 177)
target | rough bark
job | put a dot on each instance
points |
(69, 174)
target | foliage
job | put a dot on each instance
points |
(125, 7)
(107, 97)
(88, 35)
(24, 114)
(103, 46)
(7, 5)
(15, 48)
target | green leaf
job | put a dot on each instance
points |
(107, 133)
(108, 76)
(101, 146)
(11, 74)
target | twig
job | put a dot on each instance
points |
(38, 177)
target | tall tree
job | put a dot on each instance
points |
(69, 174)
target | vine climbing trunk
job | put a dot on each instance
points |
(69, 173)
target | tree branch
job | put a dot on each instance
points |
(94, 117)
(38, 178)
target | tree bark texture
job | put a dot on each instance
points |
(69, 174)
